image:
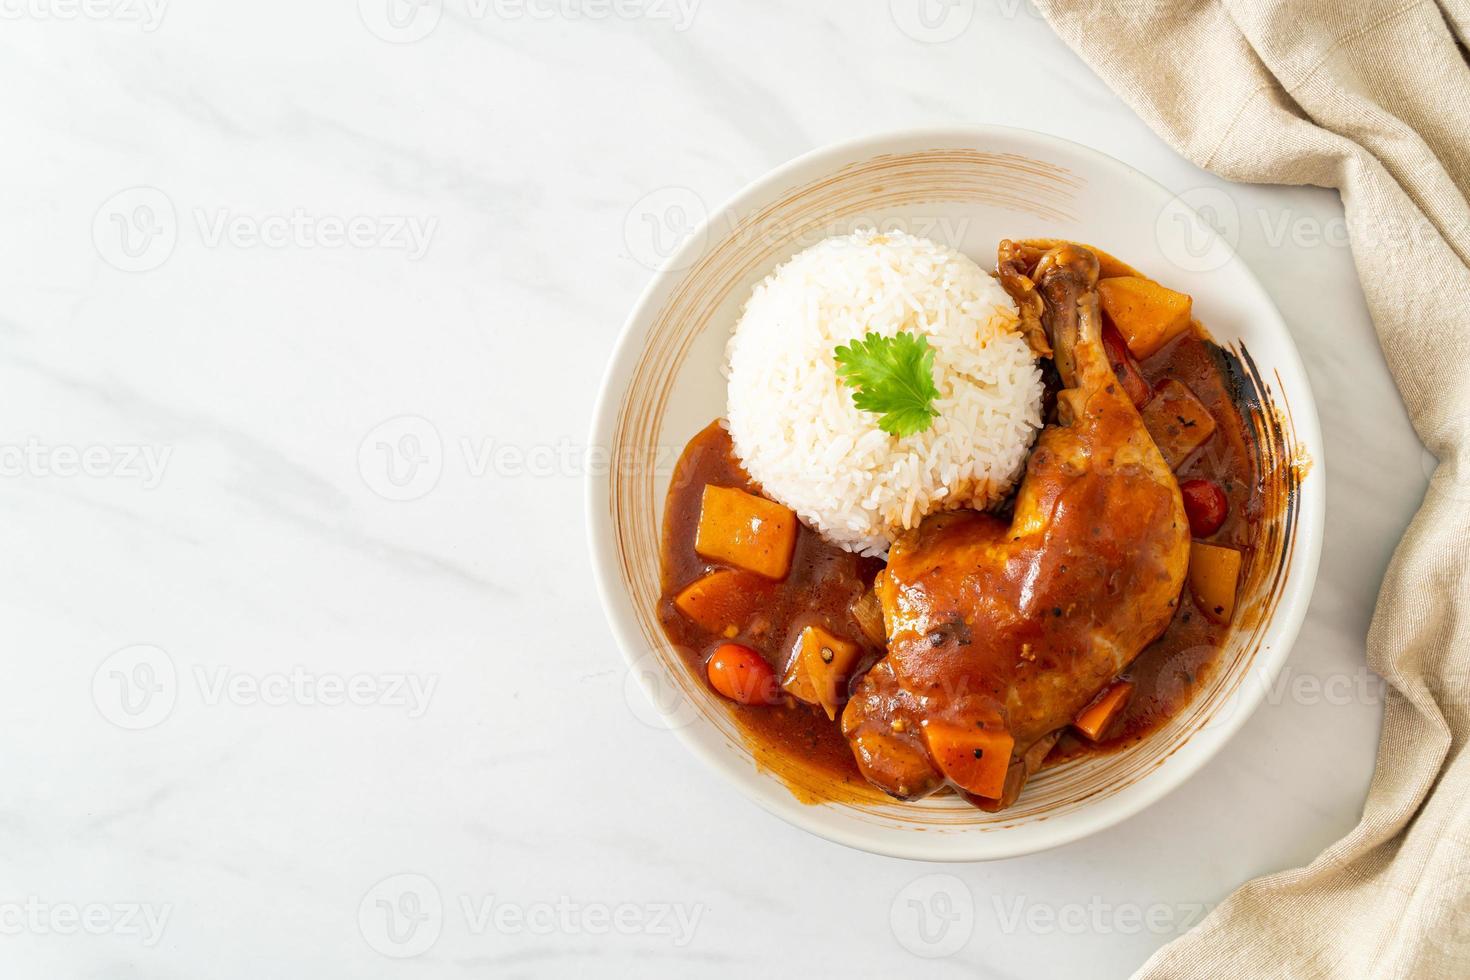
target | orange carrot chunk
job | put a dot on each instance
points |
(1094, 719)
(723, 602)
(974, 758)
(746, 531)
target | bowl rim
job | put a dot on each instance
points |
(1284, 626)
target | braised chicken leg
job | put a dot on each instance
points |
(999, 634)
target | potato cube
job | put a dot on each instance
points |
(1179, 422)
(1146, 314)
(1214, 576)
(819, 668)
(746, 531)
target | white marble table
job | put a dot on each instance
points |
(304, 308)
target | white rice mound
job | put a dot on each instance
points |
(793, 422)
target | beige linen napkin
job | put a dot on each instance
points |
(1372, 98)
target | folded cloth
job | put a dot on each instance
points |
(1372, 98)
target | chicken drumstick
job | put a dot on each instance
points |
(999, 634)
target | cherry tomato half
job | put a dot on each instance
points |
(1206, 506)
(741, 674)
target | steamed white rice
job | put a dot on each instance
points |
(793, 422)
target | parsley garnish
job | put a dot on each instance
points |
(892, 377)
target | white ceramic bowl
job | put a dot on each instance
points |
(967, 188)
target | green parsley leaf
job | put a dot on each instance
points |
(892, 377)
